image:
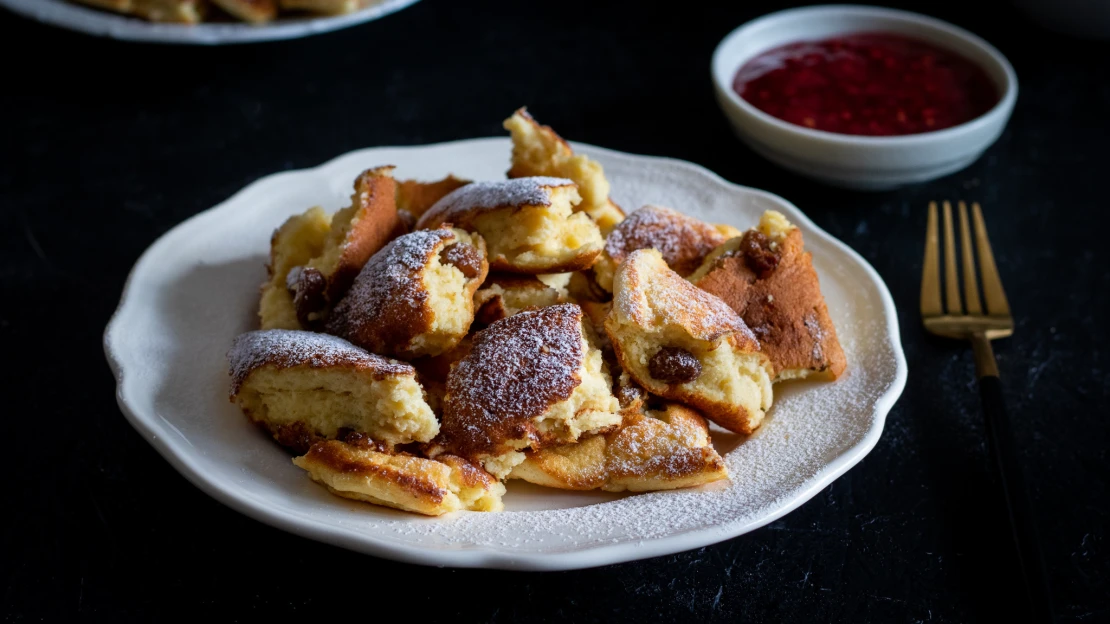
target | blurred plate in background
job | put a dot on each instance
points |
(104, 24)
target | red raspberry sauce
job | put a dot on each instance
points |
(867, 83)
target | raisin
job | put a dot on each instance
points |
(465, 258)
(674, 365)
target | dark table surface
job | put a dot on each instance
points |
(110, 144)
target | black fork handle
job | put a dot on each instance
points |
(1004, 458)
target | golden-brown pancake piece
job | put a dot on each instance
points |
(254, 11)
(415, 297)
(657, 450)
(303, 386)
(768, 278)
(292, 245)
(539, 151)
(431, 487)
(357, 232)
(415, 197)
(330, 7)
(684, 344)
(530, 380)
(120, 6)
(529, 223)
(171, 11)
(683, 241)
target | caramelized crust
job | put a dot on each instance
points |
(402, 481)
(657, 450)
(783, 305)
(372, 222)
(254, 11)
(409, 300)
(330, 7)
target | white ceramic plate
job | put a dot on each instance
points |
(106, 24)
(197, 287)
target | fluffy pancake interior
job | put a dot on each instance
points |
(341, 224)
(390, 410)
(296, 242)
(512, 298)
(590, 408)
(728, 376)
(540, 237)
(450, 301)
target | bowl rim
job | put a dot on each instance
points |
(1001, 108)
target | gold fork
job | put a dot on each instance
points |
(980, 326)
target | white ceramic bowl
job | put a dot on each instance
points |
(862, 162)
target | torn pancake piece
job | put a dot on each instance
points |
(357, 232)
(292, 245)
(539, 151)
(684, 344)
(303, 387)
(768, 278)
(431, 487)
(529, 381)
(415, 297)
(529, 224)
(662, 449)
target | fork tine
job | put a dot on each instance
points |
(971, 288)
(951, 282)
(930, 270)
(992, 283)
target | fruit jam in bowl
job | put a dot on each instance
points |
(863, 97)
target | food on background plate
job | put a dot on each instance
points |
(520, 363)
(768, 278)
(196, 11)
(254, 11)
(875, 84)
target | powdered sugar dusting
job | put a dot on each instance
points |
(516, 370)
(682, 240)
(286, 348)
(387, 299)
(491, 195)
